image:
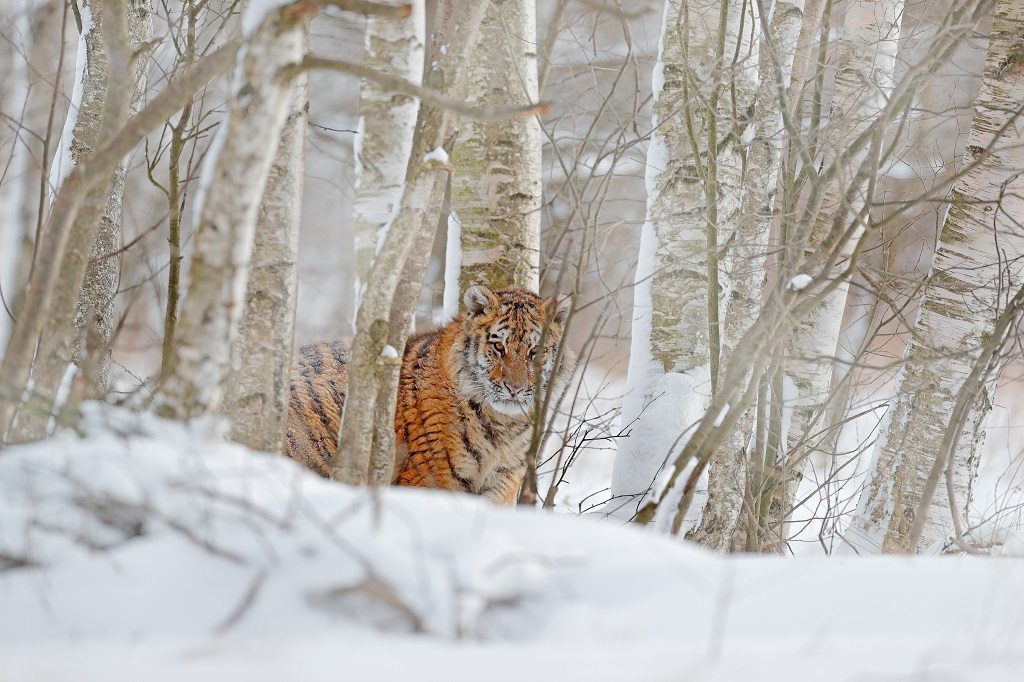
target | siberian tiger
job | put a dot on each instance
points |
(466, 395)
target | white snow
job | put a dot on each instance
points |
(63, 392)
(438, 154)
(722, 414)
(452, 265)
(389, 352)
(256, 10)
(799, 282)
(162, 553)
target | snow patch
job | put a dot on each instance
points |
(256, 10)
(799, 282)
(155, 550)
(722, 414)
(64, 163)
(438, 154)
(452, 265)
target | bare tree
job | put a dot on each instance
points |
(956, 340)
(257, 387)
(413, 226)
(704, 83)
(747, 263)
(865, 60)
(111, 74)
(42, 27)
(224, 237)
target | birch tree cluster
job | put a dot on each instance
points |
(790, 232)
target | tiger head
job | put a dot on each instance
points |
(503, 334)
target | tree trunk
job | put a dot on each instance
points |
(219, 270)
(96, 303)
(693, 178)
(456, 28)
(865, 63)
(102, 102)
(387, 121)
(496, 184)
(976, 263)
(257, 388)
(747, 262)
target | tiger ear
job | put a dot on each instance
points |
(559, 311)
(479, 299)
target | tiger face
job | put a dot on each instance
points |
(503, 332)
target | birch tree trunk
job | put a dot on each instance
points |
(977, 265)
(496, 184)
(387, 121)
(865, 63)
(224, 237)
(456, 29)
(257, 387)
(111, 76)
(747, 261)
(693, 178)
(96, 304)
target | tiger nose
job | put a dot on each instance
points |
(514, 389)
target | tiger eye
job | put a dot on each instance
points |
(499, 348)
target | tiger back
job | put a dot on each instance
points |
(466, 396)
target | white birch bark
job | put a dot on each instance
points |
(256, 401)
(865, 66)
(692, 205)
(977, 262)
(112, 77)
(413, 227)
(496, 184)
(747, 261)
(224, 237)
(387, 121)
(96, 304)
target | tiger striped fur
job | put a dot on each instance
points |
(465, 399)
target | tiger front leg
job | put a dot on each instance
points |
(505, 488)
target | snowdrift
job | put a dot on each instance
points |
(150, 550)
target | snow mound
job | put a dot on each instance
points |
(438, 154)
(146, 549)
(800, 281)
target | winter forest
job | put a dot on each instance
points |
(483, 339)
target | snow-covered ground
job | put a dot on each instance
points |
(152, 551)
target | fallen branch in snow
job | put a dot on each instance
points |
(247, 600)
(376, 590)
(9, 561)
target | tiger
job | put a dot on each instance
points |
(466, 397)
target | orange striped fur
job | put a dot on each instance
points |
(465, 399)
